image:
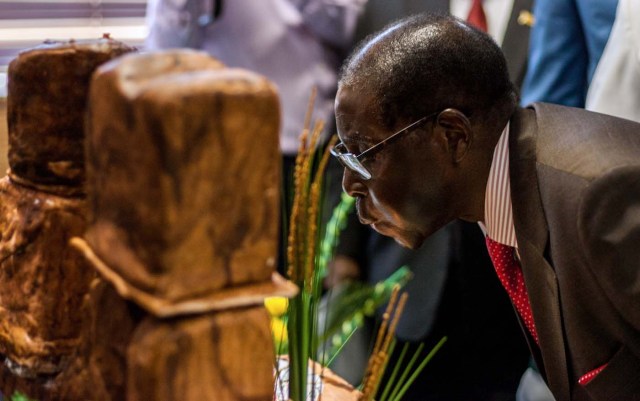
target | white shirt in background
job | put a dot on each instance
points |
(615, 88)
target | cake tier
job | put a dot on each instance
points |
(46, 103)
(183, 173)
(43, 278)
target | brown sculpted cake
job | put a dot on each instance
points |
(43, 279)
(47, 96)
(42, 206)
(224, 356)
(183, 181)
(183, 178)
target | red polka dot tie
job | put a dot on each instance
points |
(585, 379)
(510, 275)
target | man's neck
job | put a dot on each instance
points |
(475, 184)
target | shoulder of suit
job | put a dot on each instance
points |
(582, 142)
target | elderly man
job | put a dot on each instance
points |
(430, 131)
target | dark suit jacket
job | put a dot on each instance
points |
(379, 13)
(575, 183)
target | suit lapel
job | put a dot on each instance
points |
(532, 235)
(515, 43)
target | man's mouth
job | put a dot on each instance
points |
(362, 214)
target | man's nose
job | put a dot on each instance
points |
(353, 184)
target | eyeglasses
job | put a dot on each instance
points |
(353, 163)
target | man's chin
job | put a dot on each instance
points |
(403, 239)
(403, 242)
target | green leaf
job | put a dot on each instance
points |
(18, 396)
(419, 369)
(358, 299)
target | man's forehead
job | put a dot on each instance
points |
(354, 104)
(356, 128)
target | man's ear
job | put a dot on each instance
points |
(456, 133)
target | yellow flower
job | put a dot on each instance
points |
(279, 330)
(277, 306)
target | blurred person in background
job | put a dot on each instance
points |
(615, 88)
(566, 44)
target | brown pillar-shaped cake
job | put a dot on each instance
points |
(183, 178)
(42, 205)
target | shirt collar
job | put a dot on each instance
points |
(498, 212)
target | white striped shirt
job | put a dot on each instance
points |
(498, 211)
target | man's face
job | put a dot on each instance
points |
(409, 195)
